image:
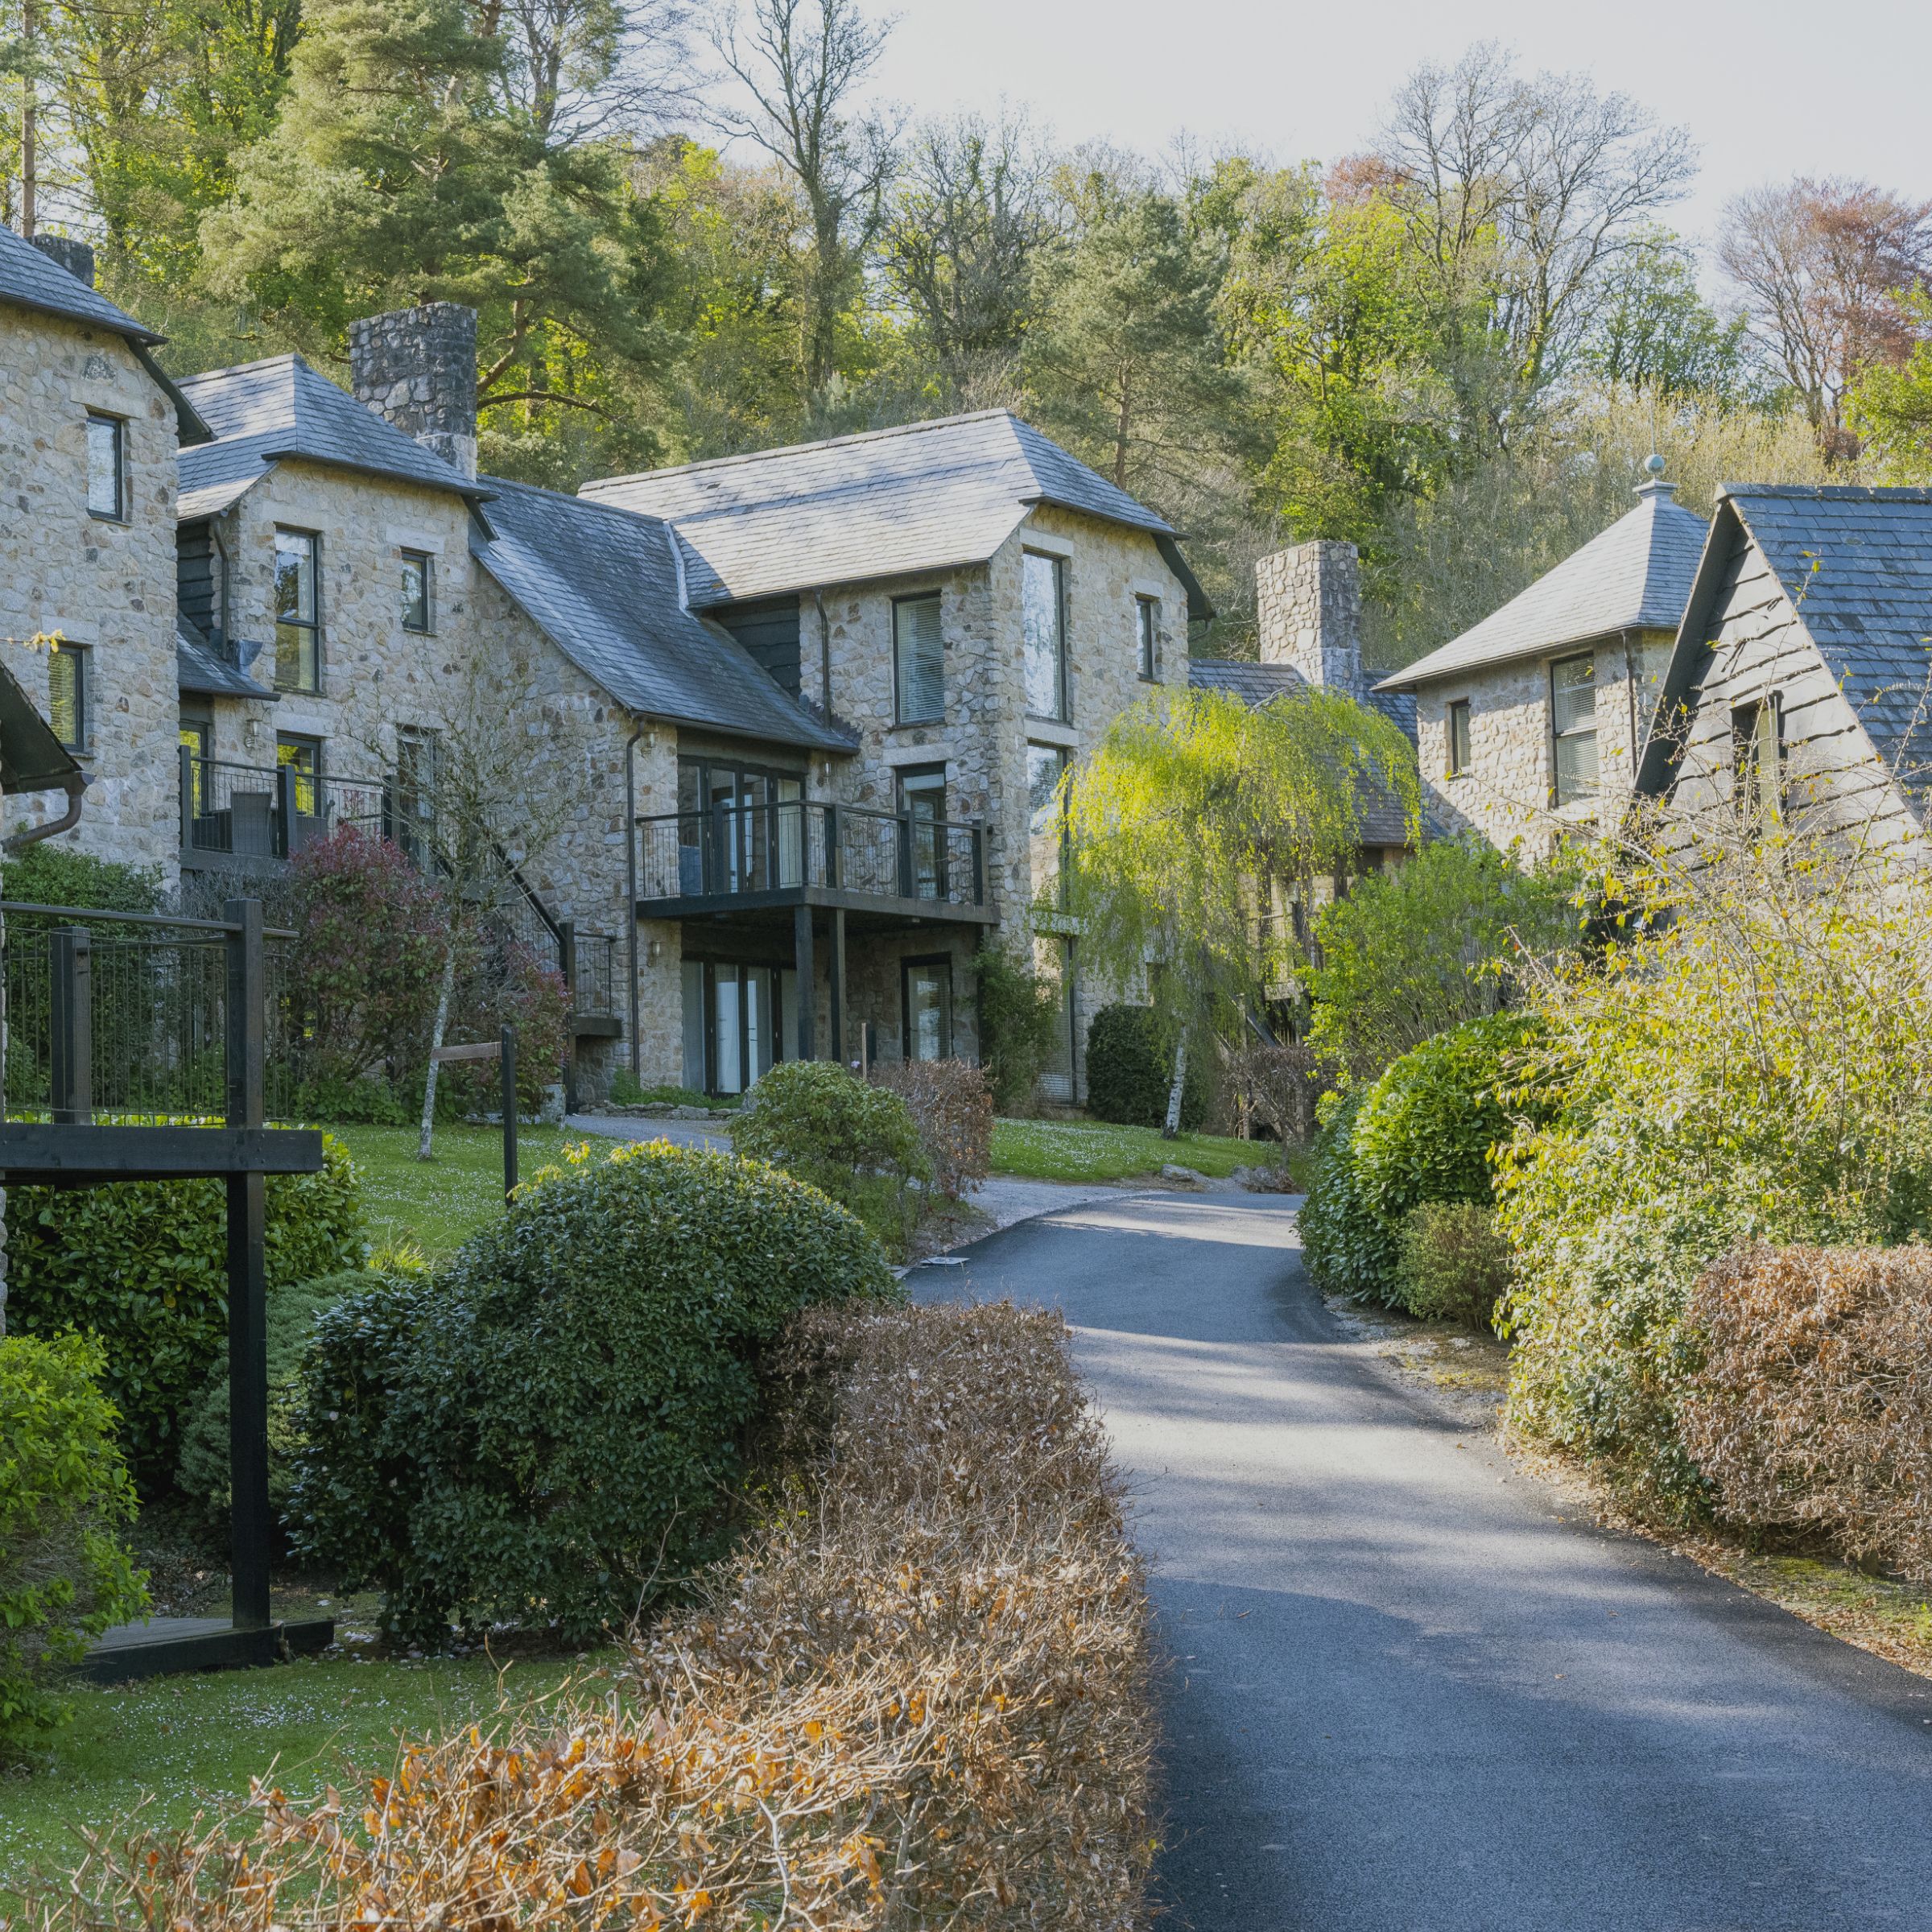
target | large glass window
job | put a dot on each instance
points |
(928, 1001)
(1045, 822)
(918, 660)
(1043, 619)
(67, 695)
(298, 612)
(1573, 727)
(107, 468)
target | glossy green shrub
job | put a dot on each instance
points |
(1422, 1132)
(857, 1143)
(291, 1311)
(1130, 1071)
(65, 1490)
(143, 1264)
(547, 1431)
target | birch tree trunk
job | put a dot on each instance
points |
(444, 993)
(2, 1072)
(1171, 1130)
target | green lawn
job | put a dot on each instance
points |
(433, 1204)
(1093, 1151)
(194, 1742)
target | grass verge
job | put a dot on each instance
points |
(1096, 1150)
(175, 1745)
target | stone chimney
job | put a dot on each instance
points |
(418, 367)
(76, 258)
(1308, 614)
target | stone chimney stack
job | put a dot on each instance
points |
(76, 258)
(1308, 612)
(418, 367)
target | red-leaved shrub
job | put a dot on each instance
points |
(1813, 1408)
(952, 1104)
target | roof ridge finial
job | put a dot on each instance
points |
(1653, 484)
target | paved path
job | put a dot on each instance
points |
(1407, 1695)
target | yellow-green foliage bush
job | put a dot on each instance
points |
(549, 1428)
(143, 1264)
(1454, 1263)
(1757, 1069)
(64, 1491)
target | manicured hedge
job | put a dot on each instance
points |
(143, 1264)
(548, 1430)
(1130, 1071)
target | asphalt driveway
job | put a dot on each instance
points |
(1404, 1693)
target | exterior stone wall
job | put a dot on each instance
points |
(417, 367)
(108, 587)
(1308, 614)
(1506, 793)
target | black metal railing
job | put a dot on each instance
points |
(586, 961)
(255, 811)
(733, 850)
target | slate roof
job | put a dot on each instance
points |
(30, 279)
(1636, 575)
(601, 583)
(201, 668)
(1857, 563)
(262, 411)
(1383, 821)
(924, 496)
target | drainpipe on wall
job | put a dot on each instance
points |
(630, 880)
(818, 600)
(34, 834)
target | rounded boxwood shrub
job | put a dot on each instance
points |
(143, 1265)
(1422, 1132)
(1130, 1071)
(291, 1311)
(64, 1577)
(549, 1430)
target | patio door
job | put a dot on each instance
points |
(734, 1024)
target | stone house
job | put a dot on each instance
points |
(1799, 685)
(1534, 722)
(89, 428)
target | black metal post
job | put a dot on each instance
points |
(566, 963)
(250, 1522)
(73, 960)
(808, 991)
(288, 806)
(832, 867)
(188, 798)
(979, 864)
(509, 1059)
(837, 964)
(904, 822)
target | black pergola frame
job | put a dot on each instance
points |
(71, 1150)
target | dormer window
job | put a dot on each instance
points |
(106, 468)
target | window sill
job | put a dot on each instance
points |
(101, 516)
(1052, 731)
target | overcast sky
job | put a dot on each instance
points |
(1832, 87)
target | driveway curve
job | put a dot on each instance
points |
(1406, 1695)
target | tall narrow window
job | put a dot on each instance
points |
(1147, 616)
(196, 736)
(304, 756)
(1043, 620)
(416, 790)
(106, 468)
(928, 994)
(67, 695)
(1757, 739)
(1573, 727)
(298, 613)
(1045, 822)
(419, 592)
(1458, 737)
(918, 660)
(922, 799)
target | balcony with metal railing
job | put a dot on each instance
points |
(792, 852)
(236, 816)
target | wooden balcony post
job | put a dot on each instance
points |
(71, 951)
(250, 1521)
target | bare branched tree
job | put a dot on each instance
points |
(586, 70)
(1828, 271)
(802, 63)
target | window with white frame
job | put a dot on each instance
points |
(1573, 728)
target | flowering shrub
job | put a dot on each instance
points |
(952, 1106)
(547, 1429)
(371, 931)
(920, 1696)
(64, 1489)
(1810, 1406)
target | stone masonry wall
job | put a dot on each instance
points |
(108, 586)
(1308, 614)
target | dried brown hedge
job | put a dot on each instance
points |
(919, 1699)
(952, 1103)
(1813, 1408)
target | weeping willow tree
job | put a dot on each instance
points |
(1183, 816)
